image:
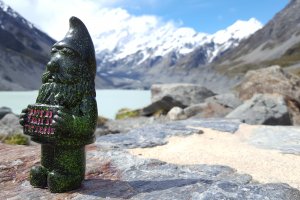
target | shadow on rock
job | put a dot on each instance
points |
(127, 189)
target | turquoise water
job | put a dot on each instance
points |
(109, 101)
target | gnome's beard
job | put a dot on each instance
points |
(62, 94)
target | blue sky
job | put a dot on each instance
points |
(208, 15)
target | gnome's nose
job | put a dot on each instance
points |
(52, 66)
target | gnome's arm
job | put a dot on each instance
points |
(79, 126)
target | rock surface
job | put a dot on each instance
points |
(268, 109)
(125, 125)
(176, 113)
(214, 107)
(187, 94)
(113, 173)
(161, 106)
(278, 138)
(227, 100)
(195, 109)
(9, 125)
(269, 80)
(3, 111)
(157, 134)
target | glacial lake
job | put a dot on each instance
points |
(109, 101)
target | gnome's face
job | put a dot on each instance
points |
(64, 82)
(70, 73)
(65, 66)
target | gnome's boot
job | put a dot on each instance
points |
(68, 170)
(38, 174)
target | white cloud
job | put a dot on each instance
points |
(101, 16)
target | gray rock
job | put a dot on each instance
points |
(207, 110)
(195, 109)
(228, 100)
(269, 80)
(3, 111)
(147, 136)
(282, 138)
(163, 106)
(187, 94)
(9, 125)
(214, 107)
(125, 125)
(218, 124)
(268, 109)
(176, 113)
(157, 134)
(232, 191)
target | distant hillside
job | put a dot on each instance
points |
(24, 51)
(277, 43)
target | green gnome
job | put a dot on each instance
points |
(63, 119)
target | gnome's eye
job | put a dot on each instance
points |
(68, 51)
(54, 50)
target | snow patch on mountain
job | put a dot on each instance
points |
(239, 30)
(153, 40)
(7, 9)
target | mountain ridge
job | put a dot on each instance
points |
(170, 55)
(24, 50)
(274, 44)
(126, 70)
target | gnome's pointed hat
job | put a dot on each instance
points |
(79, 40)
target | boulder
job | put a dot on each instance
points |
(176, 113)
(227, 100)
(127, 124)
(3, 111)
(269, 80)
(195, 109)
(268, 109)
(214, 107)
(9, 125)
(187, 94)
(161, 106)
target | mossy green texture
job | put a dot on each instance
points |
(125, 113)
(17, 139)
(68, 93)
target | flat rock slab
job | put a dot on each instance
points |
(157, 134)
(283, 138)
(119, 175)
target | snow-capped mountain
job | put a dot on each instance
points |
(126, 56)
(151, 43)
(136, 55)
(8, 10)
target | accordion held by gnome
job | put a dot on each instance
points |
(39, 120)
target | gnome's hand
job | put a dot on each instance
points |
(63, 122)
(23, 116)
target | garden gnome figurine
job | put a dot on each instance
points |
(63, 119)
